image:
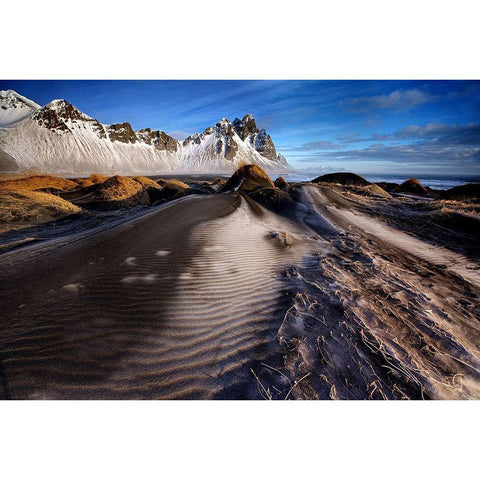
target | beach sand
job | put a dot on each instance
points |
(216, 297)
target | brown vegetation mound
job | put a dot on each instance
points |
(411, 186)
(173, 189)
(387, 186)
(281, 183)
(120, 192)
(23, 206)
(273, 199)
(171, 183)
(93, 179)
(36, 182)
(247, 178)
(374, 190)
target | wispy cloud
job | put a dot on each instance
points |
(441, 133)
(311, 146)
(398, 100)
(431, 145)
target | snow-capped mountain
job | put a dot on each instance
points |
(14, 107)
(59, 138)
(228, 144)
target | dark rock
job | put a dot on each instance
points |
(122, 132)
(159, 139)
(247, 130)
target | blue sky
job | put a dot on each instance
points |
(398, 127)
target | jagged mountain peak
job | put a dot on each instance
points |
(66, 110)
(61, 116)
(60, 138)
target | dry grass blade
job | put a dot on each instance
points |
(295, 384)
(266, 393)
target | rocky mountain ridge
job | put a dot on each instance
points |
(58, 137)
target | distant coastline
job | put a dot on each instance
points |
(437, 182)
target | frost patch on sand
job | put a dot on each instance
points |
(214, 248)
(162, 253)
(72, 287)
(141, 278)
(185, 276)
(130, 261)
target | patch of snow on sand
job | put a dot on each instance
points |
(151, 278)
(72, 287)
(436, 255)
(130, 261)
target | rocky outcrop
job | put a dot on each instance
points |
(247, 130)
(159, 139)
(60, 115)
(122, 132)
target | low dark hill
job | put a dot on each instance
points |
(344, 178)
(388, 186)
(471, 191)
(412, 187)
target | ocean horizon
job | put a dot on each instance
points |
(437, 182)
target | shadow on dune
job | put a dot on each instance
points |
(70, 318)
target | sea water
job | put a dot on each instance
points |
(432, 181)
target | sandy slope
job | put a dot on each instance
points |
(176, 304)
(196, 299)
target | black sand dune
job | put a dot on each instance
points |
(216, 296)
(176, 304)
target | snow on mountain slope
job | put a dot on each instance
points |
(59, 138)
(14, 107)
(220, 148)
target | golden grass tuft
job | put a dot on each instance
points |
(29, 207)
(91, 180)
(147, 182)
(35, 182)
(248, 178)
(172, 183)
(120, 192)
(118, 188)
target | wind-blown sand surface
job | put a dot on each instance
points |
(206, 297)
(172, 305)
